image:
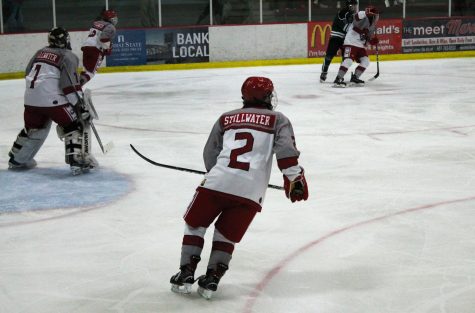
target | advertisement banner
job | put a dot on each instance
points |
(388, 31)
(436, 35)
(128, 48)
(318, 35)
(169, 46)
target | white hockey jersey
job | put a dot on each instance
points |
(360, 31)
(100, 35)
(238, 153)
(48, 76)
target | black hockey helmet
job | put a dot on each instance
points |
(58, 37)
(351, 5)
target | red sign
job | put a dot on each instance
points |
(318, 34)
(388, 31)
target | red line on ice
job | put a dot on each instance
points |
(256, 292)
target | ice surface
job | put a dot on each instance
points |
(389, 226)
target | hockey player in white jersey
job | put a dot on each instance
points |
(238, 159)
(361, 32)
(52, 91)
(98, 44)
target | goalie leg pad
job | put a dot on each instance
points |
(27, 145)
(77, 150)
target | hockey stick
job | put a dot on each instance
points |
(109, 145)
(377, 65)
(90, 107)
(185, 169)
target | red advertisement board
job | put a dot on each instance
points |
(318, 34)
(389, 33)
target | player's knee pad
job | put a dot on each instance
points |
(364, 62)
(28, 143)
(347, 62)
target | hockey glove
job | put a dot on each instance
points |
(297, 189)
(374, 41)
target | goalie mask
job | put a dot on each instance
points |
(58, 37)
(259, 91)
(110, 16)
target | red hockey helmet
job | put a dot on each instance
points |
(259, 91)
(372, 13)
(110, 16)
(371, 10)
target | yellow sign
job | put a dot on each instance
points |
(322, 31)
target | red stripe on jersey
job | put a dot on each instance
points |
(98, 25)
(359, 30)
(223, 246)
(49, 58)
(265, 122)
(287, 162)
(71, 89)
(190, 240)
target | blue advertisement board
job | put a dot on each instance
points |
(128, 48)
(160, 46)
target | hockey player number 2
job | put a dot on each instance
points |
(233, 162)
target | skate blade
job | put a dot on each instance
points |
(185, 289)
(339, 86)
(205, 293)
(75, 170)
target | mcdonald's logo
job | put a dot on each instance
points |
(323, 29)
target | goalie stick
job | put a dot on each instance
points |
(185, 169)
(87, 104)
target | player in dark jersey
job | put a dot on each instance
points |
(339, 28)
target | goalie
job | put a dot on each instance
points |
(52, 88)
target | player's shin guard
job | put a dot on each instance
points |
(26, 146)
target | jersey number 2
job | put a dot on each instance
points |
(233, 162)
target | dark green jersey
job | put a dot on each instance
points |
(341, 22)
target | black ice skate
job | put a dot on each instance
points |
(184, 279)
(339, 82)
(356, 81)
(323, 77)
(208, 284)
